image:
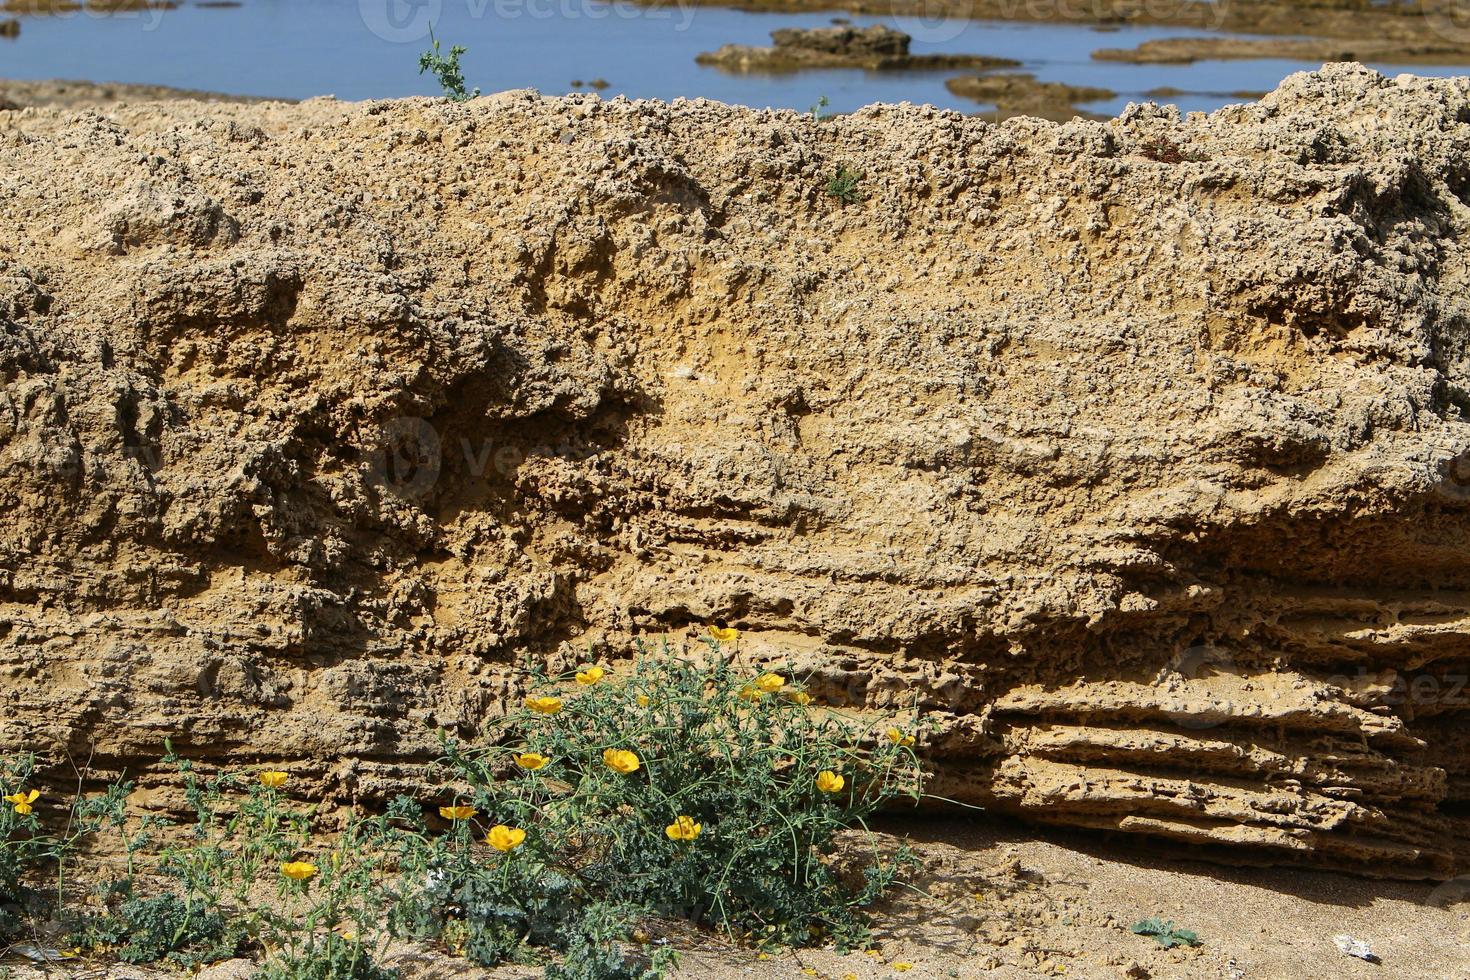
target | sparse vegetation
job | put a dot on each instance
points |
(845, 186)
(683, 789)
(1165, 933)
(446, 69)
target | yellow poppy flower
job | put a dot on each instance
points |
(274, 779)
(620, 760)
(829, 782)
(544, 705)
(902, 967)
(899, 738)
(531, 760)
(298, 870)
(504, 838)
(725, 634)
(770, 683)
(590, 676)
(642, 700)
(750, 693)
(683, 828)
(22, 800)
(800, 697)
(457, 812)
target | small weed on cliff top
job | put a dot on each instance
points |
(447, 70)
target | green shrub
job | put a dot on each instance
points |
(23, 847)
(690, 790)
(1166, 934)
(447, 70)
(164, 927)
(845, 186)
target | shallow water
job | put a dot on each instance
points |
(358, 49)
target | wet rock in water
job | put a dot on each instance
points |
(9, 27)
(1147, 482)
(40, 6)
(1426, 48)
(1022, 95)
(877, 48)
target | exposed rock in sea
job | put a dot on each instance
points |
(876, 48)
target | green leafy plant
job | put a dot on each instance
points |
(24, 847)
(446, 69)
(163, 927)
(690, 790)
(845, 186)
(819, 111)
(1166, 934)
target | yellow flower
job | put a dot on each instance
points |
(531, 760)
(457, 812)
(273, 779)
(348, 935)
(23, 800)
(810, 971)
(750, 693)
(683, 828)
(800, 697)
(829, 782)
(770, 683)
(298, 870)
(504, 838)
(620, 760)
(902, 967)
(899, 738)
(544, 705)
(725, 634)
(643, 700)
(590, 676)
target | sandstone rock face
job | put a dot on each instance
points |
(1143, 472)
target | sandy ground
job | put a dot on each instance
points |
(1000, 899)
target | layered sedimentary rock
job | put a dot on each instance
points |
(1133, 452)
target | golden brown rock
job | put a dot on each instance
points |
(1147, 478)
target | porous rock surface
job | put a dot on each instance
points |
(1141, 472)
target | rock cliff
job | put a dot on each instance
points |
(1134, 451)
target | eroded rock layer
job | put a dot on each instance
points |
(1132, 450)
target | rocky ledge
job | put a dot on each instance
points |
(1132, 451)
(875, 48)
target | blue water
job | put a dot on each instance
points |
(357, 49)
